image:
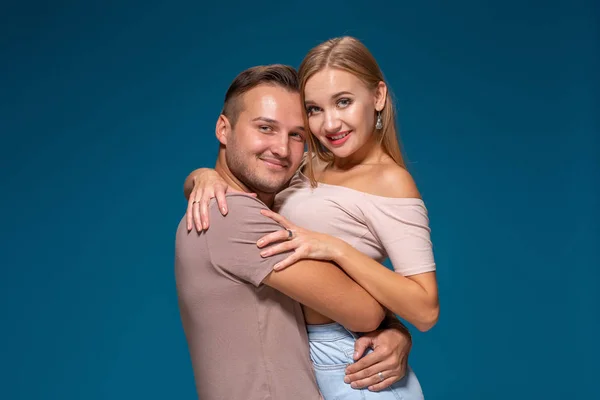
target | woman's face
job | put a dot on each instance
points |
(341, 110)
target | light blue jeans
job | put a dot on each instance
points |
(331, 350)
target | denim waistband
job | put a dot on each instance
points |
(332, 331)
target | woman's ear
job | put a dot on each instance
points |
(380, 96)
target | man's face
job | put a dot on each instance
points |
(265, 147)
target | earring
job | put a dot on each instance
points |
(379, 123)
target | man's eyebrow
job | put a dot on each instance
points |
(274, 122)
(265, 119)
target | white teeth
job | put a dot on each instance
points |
(343, 135)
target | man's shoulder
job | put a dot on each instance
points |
(240, 208)
(242, 200)
(243, 217)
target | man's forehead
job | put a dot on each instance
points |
(272, 100)
(272, 95)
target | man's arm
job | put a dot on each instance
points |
(326, 289)
(319, 285)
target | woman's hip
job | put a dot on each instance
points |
(331, 350)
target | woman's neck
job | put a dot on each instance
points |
(371, 153)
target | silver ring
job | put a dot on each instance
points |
(381, 378)
(290, 234)
(195, 201)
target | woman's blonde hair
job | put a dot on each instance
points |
(350, 55)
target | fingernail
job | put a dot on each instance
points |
(347, 380)
(353, 385)
(260, 242)
(276, 267)
(204, 225)
(224, 209)
(355, 354)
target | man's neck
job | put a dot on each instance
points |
(223, 170)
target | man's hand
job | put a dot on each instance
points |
(389, 356)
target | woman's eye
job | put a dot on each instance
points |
(343, 102)
(311, 109)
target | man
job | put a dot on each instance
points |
(243, 322)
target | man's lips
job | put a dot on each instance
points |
(275, 162)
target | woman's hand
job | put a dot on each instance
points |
(207, 184)
(306, 244)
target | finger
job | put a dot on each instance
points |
(188, 213)
(273, 237)
(196, 209)
(370, 370)
(197, 218)
(291, 260)
(204, 204)
(221, 201)
(371, 380)
(365, 362)
(385, 384)
(277, 218)
(361, 345)
(278, 249)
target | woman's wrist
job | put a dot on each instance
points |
(203, 173)
(341, 250)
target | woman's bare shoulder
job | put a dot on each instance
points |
(390, 180)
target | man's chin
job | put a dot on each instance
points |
(270, 187)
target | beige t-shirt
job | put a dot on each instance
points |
(247, 341)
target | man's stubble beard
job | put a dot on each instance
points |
(248, 176)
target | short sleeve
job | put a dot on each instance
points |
(232, 239)
(402, 227)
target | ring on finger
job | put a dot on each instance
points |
(290, 234)
(380, 375)
(195, 201)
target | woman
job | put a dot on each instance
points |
(354, 190)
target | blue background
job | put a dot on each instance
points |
(106, 106)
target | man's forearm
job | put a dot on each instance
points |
(392, 322)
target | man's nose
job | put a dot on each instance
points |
(281, 145)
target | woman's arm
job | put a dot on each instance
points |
(200, 186)
(411, 290)
(413, 298)
(190, 180)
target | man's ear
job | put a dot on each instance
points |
(380, 96)
(223, 129)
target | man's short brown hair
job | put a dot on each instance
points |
(275, 74)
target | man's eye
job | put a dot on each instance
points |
(265, 128)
